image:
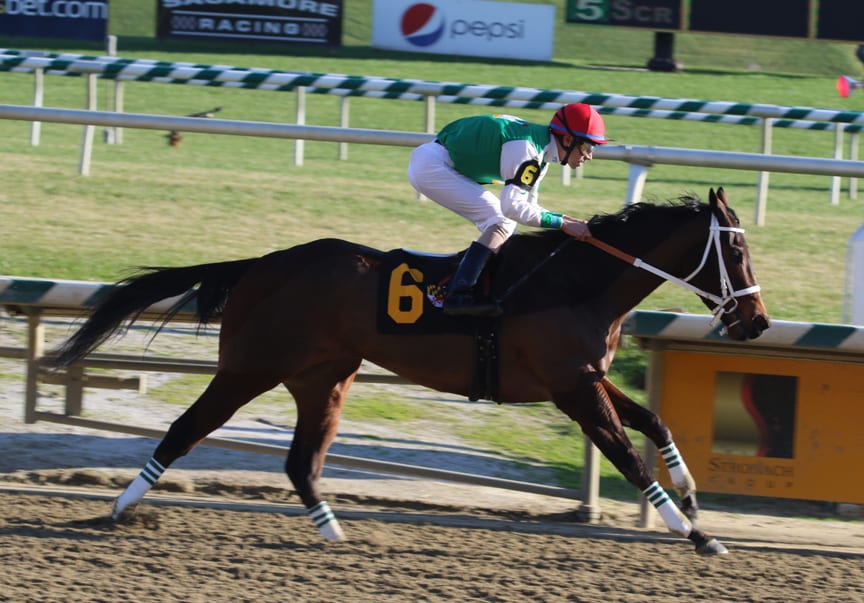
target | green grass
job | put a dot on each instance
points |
(164, 205)
(222, 197)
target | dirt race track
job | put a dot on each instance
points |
(59, 546)
(223, 526)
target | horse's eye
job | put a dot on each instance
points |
(736, 254)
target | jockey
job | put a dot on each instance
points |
(474, 151)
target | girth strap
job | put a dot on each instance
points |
(486, 360)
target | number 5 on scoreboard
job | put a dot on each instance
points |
(593, 11)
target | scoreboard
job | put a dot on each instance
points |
(823, 19)
(788, 18)
(651, 14)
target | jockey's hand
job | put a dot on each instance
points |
(576, 228)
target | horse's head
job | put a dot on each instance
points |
(734, 293)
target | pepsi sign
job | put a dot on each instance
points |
(422, 24)
(472, 28)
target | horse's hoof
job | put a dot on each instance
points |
(115, 512)
(119, 514)
(333, 532)
(712, 547)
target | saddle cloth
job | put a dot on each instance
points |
(411, 291)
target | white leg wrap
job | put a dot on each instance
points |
(678, 470)
(674, 518)
(135, 491)
(326, 522)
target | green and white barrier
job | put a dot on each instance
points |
(82, 295)
(62, 294)
(782, 334)
(144, 70)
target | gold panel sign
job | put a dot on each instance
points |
(767, 426)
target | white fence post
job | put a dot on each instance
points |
(429, 114)
(301, 120)
(590, 510)
(87, 137)
(636, 176)
(35, 351)
(343, 123)
(428, 124)
(762, 182)
(38, 99)
(114, 135)
(838, 154)
(118, 107)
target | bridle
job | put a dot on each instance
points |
(727, 293)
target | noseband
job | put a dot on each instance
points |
(727, 294)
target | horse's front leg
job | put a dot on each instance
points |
(319, 396)
(648, 423)
(591, 407)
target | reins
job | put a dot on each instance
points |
(726, 296)
(534, 269)
(721, 300)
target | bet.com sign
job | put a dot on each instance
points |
(462, 27)
(62, 19)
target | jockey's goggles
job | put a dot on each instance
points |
(584, 146)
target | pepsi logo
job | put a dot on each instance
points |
(423, 24)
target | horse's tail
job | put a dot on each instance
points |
(132, 296)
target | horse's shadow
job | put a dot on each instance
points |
(98, 528)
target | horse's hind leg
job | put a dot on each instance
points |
(225, 394)
(592, 408)
(643, 420)
(319, 393)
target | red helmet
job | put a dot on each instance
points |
(579, 120)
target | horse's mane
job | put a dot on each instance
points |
(578, 269)
(608, 223)
(645, 210)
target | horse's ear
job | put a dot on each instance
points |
(717, 199)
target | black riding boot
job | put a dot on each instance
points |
(461, 297)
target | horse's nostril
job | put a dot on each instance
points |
(759, 323)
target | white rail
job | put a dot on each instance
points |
(639, 157)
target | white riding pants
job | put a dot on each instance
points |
(431, 173)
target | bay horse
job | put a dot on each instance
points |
(305, 317)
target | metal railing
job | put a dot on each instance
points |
(121, 70)
(639, 158)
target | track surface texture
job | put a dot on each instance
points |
(224, 526)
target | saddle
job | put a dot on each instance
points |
(412, 285)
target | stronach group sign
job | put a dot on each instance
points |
(780, 416)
